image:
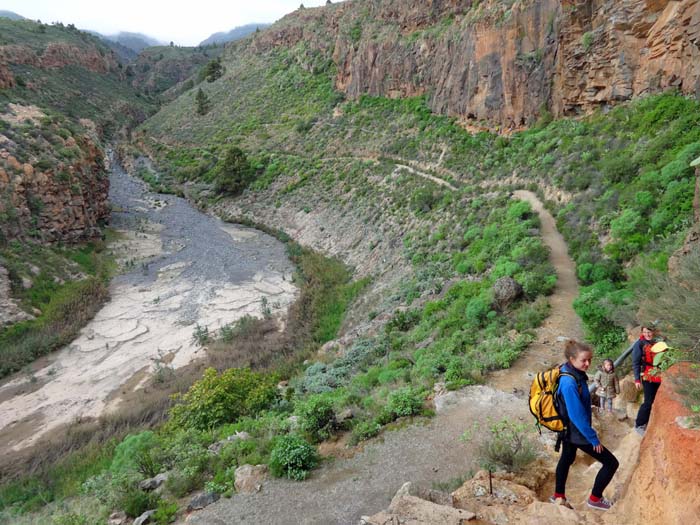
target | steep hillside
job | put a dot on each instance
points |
(364, 130)
(620, 182)
(160, 68)
(63, 93)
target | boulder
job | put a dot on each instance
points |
(405, 508)
(543, 513)
(628, 392)
(145, 517)
(155, 482)
(476, 491)
(506, 290)
(249, 478)
(117, 518)
(215, 448)
(345, 415)
(202, 500)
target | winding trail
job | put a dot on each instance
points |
(562, 323)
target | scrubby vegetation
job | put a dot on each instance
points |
(64, 286)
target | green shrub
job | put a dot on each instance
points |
(134, 453)
(404, 402)
(181, 483)
(234, 172)
(364, 430)
(135, 501)
(217, 399)
(317, 418)
(292, 457)
(165, 513)
(69, 518)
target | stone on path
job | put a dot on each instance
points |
(249, 478)
(202, 500)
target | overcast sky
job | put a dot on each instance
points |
(185, 23)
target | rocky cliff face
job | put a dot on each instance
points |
(504, 62)
(54, 55)
(63, 200)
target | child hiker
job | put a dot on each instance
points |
(575, 403)
(608, 385)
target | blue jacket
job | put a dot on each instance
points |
(575, 404)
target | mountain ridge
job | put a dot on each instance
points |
(222, 37)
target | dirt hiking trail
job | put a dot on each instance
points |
(562, 323)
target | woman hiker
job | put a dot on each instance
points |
(642, 367)
(575, 406)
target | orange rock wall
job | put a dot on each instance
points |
(498, 63)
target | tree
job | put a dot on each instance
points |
(234, 172)
(202, 102)
(212, 70)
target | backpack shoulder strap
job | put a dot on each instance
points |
(576, 379)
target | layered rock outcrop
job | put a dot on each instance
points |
(502, 63)
(54, 55)
(66, 202)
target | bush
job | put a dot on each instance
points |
(404, 402)
(134, 454)
(135, 502)
(69, 518)
(292, 457)
(317, 418)
(506, 446)
(165, 513)
(234, 172)
(217, 399)
(364, 430)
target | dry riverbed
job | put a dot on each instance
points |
(182, 270)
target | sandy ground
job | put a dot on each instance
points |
(185, 269)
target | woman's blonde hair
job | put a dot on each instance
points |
(573, 348)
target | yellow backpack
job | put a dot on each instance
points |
(543, 400)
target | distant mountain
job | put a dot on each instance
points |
(11, 15)
(134, 41)
(234, 34)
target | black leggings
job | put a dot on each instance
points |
(568, 456)
(650, 389)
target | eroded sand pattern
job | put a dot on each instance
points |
(184, 269)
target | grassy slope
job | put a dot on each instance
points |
(626, 171)
(159, 68)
